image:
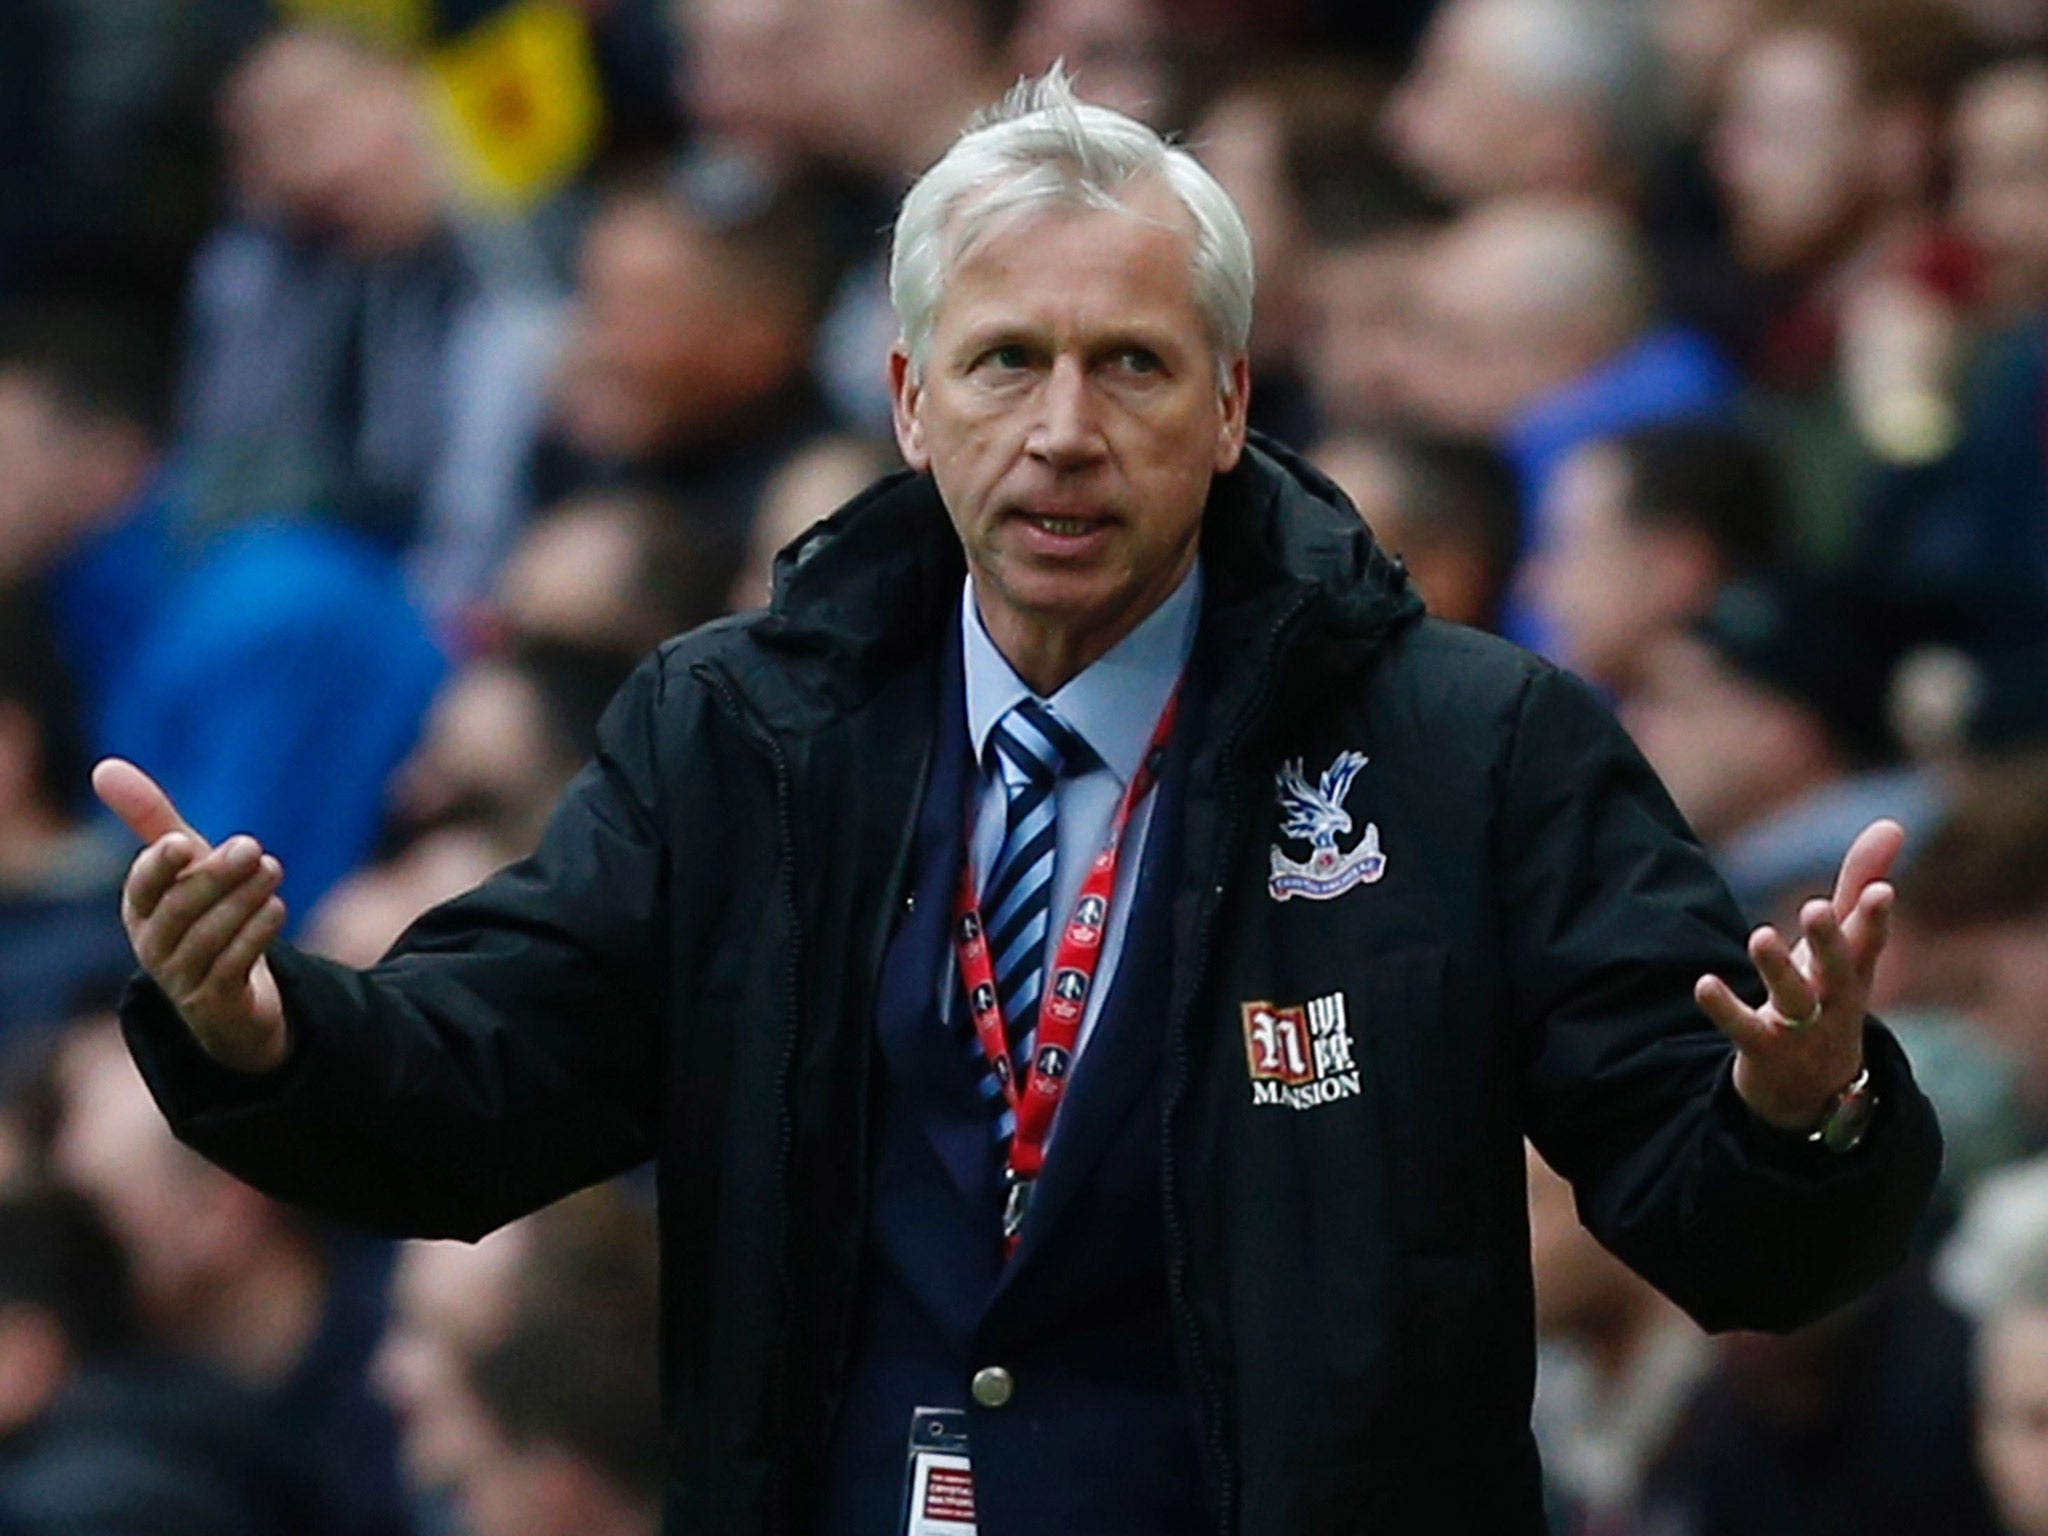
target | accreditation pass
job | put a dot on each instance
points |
(938, 1482)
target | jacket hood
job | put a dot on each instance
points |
(872, 583)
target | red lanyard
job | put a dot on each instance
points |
(1063, 1000)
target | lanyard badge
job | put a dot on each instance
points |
(1064, 1000)
(938, 1475)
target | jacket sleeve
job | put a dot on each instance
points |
(1612, 912)
(505, 1053)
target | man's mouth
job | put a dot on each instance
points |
(1065, 527)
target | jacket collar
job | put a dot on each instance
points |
(1290, 570)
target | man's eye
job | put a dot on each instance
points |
(1138, 360)
(1007, 358)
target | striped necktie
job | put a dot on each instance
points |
(1032, 749)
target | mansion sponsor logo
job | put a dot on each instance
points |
(1300, 1057)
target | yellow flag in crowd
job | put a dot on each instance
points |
(515, 90)
(520, 98)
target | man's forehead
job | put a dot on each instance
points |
(1148, 239)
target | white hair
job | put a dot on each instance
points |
(1042, 147)
(1601, 53)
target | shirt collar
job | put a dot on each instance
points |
(1114, 703)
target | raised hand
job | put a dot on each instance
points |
(1805, 1044)
(199, 919)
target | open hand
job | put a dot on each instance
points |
(199, 919)
(1805, 1044)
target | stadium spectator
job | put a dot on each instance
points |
(1522, 97)
(1290, 144)
(357, 921)
(1587, 100)
(1121, 51)
(501, 743)
(1995, 1266)
(1829, 147)
(686, 369)
(814, 481)
(295, 640)
(569, 1395)
(2001, 183)
(1535, 324)
(1643, 529)
(228, 1279)
(60, 870)
(1445, 506)
(505, 738)
(1972, 526)
(881, 87)
(1861, 1422)
(454, 1304)
(614, 571)
(1974, 918)
(355, 350)
(83, 402)
(450, 1302)
(1748, 712)
(1359, 289)
(1616, 1365)
(96, 1436)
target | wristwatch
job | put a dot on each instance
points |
(1848, 1117)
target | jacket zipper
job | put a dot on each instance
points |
(758, 734)
(785, 1068)
(1176, 1231)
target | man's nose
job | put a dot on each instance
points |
(1068, 431)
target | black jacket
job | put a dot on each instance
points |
(686, 970)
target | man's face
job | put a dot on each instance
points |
(641, 363)
(1590, 573)
(1359, 328)
(1791, 150)
(1071, 413)
(450, 1303)
(2001, 189)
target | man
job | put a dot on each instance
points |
(1273, 1276)
(98, 1434)
(1645, 527)
(1513, 97)
(235, 1284)
(1536, 325)
(1446, 507)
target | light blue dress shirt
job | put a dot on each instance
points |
(1113, 705)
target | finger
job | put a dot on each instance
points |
(1869, 928)
(229, 974)
(1731, 1015)
(192, 894)
(138, 800)
(155, 871)
(1834, 963)
(1791, 994)
(1869, 859)
(187, 968)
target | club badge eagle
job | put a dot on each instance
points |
(1315, 814)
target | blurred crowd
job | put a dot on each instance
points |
(1701, 345)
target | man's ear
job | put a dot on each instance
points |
(904, 396)
(1231, 430)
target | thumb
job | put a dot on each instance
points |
(138, 800)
